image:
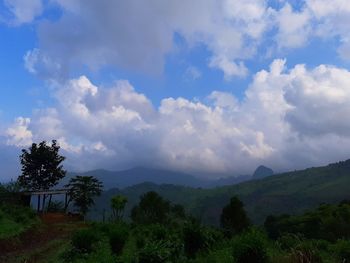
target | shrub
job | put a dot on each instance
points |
(118, 236)
(84, 240)
(342, 250)
(250, 247)
(306, 251)
(198, 238)
(233, 218)
(288, 241)
(156, 252)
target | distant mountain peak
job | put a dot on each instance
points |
(262, 171)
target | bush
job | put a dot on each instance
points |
(198, 238)
(342, 250)
(250, 247)
(156, 252)
(306, 251)
(85, 240)
(289, 241)
(118, 236)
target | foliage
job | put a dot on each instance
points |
(342, 250)
(41, 166)
(329, 222)
(82, 189)
(10, 187)
(306, 252)
(156, 251)
(15, 220)
(250, 247)
(233, 217)
(198, 238)
(118, 203)
(151, 209)
(118, 236)
(84, 240)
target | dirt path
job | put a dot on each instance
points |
(37, 244)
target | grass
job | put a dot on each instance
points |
(15, 220)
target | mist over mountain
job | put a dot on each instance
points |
(138, 175)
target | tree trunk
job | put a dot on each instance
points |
(44, 199)
(38, 208)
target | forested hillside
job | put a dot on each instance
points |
(291, 192)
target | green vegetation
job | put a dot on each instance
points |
(15, 220)
(233, 218)
(292, 192)
(118, 203)
(167, 240)
(82, 190)
(182, 224)
(41, 166)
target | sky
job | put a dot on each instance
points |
(209, 87)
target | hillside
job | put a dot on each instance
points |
(137, 175)
(291, 192)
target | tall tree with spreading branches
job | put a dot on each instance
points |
(42, 168)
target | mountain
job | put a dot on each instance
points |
(229, 180)
(138, 175)
(291, 192)
(262, 172)
(122, 179)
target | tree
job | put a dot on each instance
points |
(118, 203)
(81, 191)
(41, 166)
(151, 209)
(233, 217)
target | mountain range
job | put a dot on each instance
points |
(137, 175)
(290, 192)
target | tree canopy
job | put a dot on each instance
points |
(82, 190)
(233, 217)
(151, 209)
(118, 203)
(41, 166)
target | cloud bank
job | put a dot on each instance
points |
(289, 118)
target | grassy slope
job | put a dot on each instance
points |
(15, 220)
(291, 192)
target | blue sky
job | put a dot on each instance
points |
(213, 87)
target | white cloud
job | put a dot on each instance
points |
(137, 34)
(294, 27)
(24, 11)
(286, 120)
(19, 134)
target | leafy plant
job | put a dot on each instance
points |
(118, 236)
(82, 189)
(85, 240)
(250, 247)
(233, 217)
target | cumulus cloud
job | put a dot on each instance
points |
(286, 120)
